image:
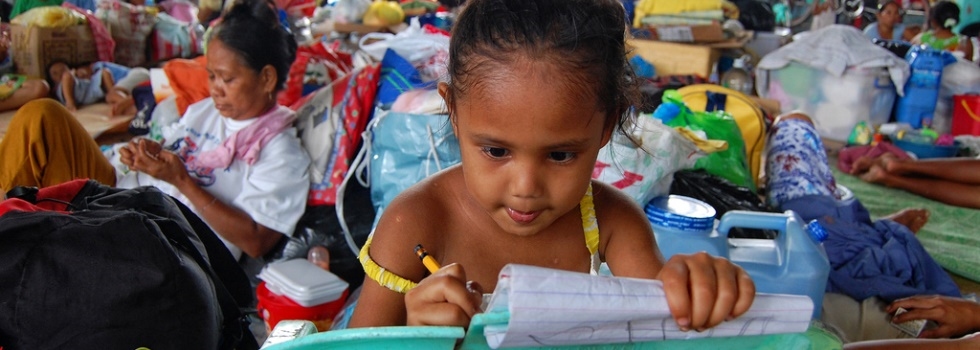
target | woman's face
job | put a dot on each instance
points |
(888, 16)
(239, 92)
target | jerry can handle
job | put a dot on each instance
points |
(752, 219)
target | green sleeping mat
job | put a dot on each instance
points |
(952, 235)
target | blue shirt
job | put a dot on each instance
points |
(871, 31)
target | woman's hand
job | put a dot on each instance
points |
(703, 291)
(954, 316)
(444, 299)
(147, 156)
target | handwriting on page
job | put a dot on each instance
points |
(551, 307)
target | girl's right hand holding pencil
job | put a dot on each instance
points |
(444, 298)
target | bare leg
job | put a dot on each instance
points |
(32, 89)
(945, 191)
(962, 170)
(68, 91)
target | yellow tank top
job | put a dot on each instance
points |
(400, 284)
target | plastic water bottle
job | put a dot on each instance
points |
(737, 78)
(684, 225)
(922, 88)
(795, 262)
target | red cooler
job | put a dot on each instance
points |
(299, 290)
(966, 115)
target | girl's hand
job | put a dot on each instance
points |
(147, 156)
(444, 299)
(954, 316)
(703, 291)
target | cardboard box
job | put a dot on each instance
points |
(34, 48)
(676, 59)
(688, 33)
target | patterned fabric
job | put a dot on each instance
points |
(104, 45)
(795, 154)
(403, 285)
(948, 44)
(356, 109)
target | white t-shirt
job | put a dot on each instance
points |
(272, 191)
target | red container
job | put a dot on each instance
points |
(274, 308)
(966, 115)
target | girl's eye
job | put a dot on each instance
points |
(561, 156)
(495, 152)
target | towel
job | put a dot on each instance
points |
(247, 143)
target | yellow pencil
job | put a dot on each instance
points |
(427, 260)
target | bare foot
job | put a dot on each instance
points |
(875, 174)
(913, 218)
(861, 165)
(890, 163)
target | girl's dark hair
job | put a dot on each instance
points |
(251, 28)
(585, 39)
(943, 11)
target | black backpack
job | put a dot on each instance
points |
(86, 266)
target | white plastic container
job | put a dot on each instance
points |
(303, 282)
(836, 104)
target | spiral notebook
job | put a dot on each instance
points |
(535, 306)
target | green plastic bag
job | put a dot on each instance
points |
(731, 164)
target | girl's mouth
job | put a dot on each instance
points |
(522, 217)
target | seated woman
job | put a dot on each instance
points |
(234, 157)
(889, 25)
(943, 17)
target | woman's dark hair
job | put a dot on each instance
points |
(585, 39)
(943, 11)
(883, 5)
(251, 28)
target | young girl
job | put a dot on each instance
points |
(536, 89)
(943, 16)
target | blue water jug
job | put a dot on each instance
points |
(684, 225)
(792, 263)
(922, 87)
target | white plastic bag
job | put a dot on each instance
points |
(413, 44)
(647, 171)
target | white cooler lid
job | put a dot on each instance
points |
(303, 282)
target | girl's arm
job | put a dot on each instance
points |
(445, 298)
(702, 291)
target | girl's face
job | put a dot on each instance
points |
(528, 143)
(888, 16)
(239, 92)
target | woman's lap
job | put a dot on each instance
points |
(796, 163)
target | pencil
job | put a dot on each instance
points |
(430, 263)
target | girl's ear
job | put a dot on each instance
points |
(608, 129)
(447, 98)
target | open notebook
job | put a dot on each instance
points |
(548, 307)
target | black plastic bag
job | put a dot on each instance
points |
(723, 195)
(756, 15)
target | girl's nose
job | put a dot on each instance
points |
(528, 180)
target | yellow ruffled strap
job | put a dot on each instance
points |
(589, 223)
(379, 274)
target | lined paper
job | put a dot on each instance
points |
(551, 307)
